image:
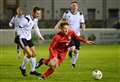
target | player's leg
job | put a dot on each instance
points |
(25, 60)
(24, 52)
(17, 41)
(75, 57)
(47, 73)
(70, 49)
(70, 53)
(45, 61)
(41, 62)
(76, 53)
(33, 61)
(26, 48)
(18, 51)
(53, 64)
(17, 47)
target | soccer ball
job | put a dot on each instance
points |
(97, 74)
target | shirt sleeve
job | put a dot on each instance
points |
(37, 30)
(53, 44)
(36, 23)
(82, 20)
(11, 23)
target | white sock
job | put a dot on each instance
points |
(33, 63)
(18, 51)
(25, 61)
(74, 58)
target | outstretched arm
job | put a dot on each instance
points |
(82, 23)
(83, 26)
(37, 30)
(57, 25)
(11, 23)
(81, 39)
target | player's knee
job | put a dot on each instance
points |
(33, 55)
(28, 56)
(53, 63)
(24, 52)
(76, 51)
(54, 66)
(72, 48)
(29, 52)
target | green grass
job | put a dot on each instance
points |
(103, 57)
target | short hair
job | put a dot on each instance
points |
(62, 24)
(20, 8)
(74, 1)
(36, 9)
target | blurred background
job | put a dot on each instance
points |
(101, 15)
(98, 13)
(102, 18)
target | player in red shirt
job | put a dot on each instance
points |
(58, 49)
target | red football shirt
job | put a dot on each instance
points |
(60, 42)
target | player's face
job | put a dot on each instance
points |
(65, 29)
(74, 7)
(36, 14)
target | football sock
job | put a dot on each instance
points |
(25, 61)
(48, 72)
(74, 58)
(33, 63)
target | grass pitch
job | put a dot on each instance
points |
(103, 57)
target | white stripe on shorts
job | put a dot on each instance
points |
(22, 44)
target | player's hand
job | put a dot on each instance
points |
(90, 42)
(82, 29)
(42, 38)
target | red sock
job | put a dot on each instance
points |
(48, 72)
